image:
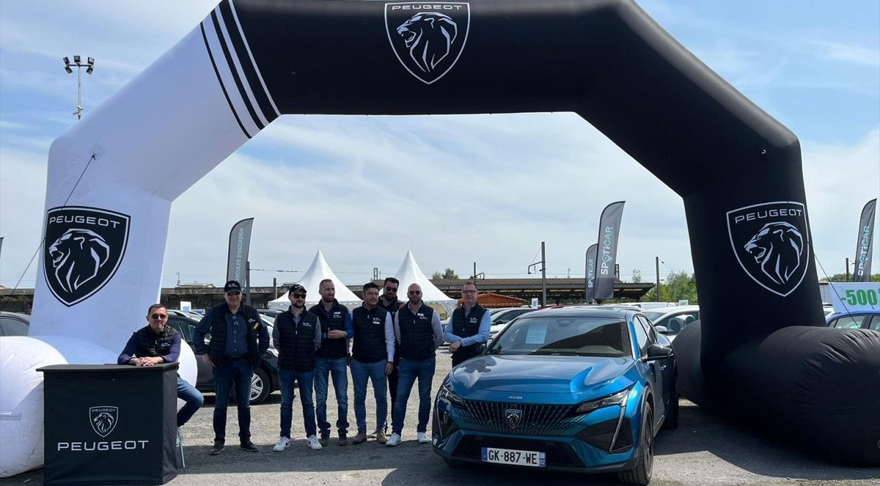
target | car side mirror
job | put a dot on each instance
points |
(661, 329)
(657, 351)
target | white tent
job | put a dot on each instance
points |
(319, 270)
(410, 273)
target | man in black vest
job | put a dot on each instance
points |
(297, 335)
(238, 341)
(469, 327)
(332, 360)
(419, 334)
(372, 358)
(389, 302)
(158, 343)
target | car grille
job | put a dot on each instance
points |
(516, 418)
(558, 454)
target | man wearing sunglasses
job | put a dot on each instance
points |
(390, 303)
(158, 343)
(297, 335)
(238, 340)
(419, 334)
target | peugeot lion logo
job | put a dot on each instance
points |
(427, 38)
(84, 247)
(103, 419)
(771, 243)
(513, 416)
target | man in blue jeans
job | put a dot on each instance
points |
(158, 343)
(238, 341)
(332, 359)
(373, 359)
(419, 334)
(297, 336)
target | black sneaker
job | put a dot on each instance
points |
(249, 446)
(324, 440)
(343, 439)
(218, 447)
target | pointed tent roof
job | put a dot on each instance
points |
(410, 273)
(319, 270)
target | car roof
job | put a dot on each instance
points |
(674, 310)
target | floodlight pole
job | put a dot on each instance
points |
(90, 67)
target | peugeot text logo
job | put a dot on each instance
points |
(103, 419)
(84, 247)
(771, 243)
(427, 38)
(513, 416)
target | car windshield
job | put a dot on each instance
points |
(569, 336)
(654, 315)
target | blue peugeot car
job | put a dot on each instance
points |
(573, 389)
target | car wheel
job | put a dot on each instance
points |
(260, 386)
(671, 422)
(641, 474)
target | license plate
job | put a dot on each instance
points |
(510, 456)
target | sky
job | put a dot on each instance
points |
(455, 190)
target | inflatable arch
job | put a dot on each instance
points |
(760, 349)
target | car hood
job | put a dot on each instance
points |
(533, 378)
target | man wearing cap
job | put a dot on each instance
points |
(238, 341)
(373, 359)
(297, 336)
(332, 360)
(469, 329)
(419, 334)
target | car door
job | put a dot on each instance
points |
(657, 372)
(204, 374)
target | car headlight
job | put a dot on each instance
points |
(447, 393)
(618, 398)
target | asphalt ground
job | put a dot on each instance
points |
(704, 450)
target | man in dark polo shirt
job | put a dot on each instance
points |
(373, 359)
(238, 341)
(468, 329)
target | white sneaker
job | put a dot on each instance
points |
(393, 440)
(283, 443)
(423, 438)
(314, 444)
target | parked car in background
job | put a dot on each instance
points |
(14, 324)
(264, 380)
(273, 313)
(669, 321)
(570, 388)
(859, 319)
(502, 316)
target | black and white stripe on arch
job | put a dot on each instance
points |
(237, 72)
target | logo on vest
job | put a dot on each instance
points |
(771, 243)
(84, 248)
(427, 38)
(103, 419)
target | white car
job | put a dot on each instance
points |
(500, 318)
(671, 320)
